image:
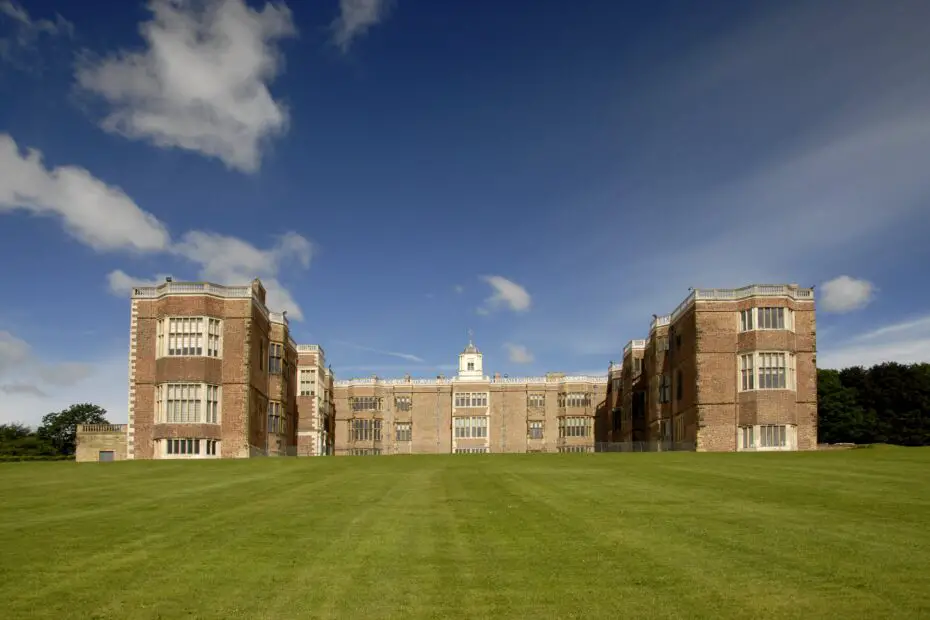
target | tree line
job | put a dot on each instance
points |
(887, 403)
(54, 439)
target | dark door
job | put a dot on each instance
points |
(106, 456)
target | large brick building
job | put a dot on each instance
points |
(467, 413)
(728, 370)
(213, 373)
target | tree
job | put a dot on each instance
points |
(19, 440)
(841, 418)
(60, 428)
(13, 431)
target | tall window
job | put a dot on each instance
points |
(574, 399)
(471, 399)
(187, 403)
(471, 427)
(773, 371)
(403, 431)
(679, 389)
(747, 377)
(471, 365)
(275, 358)
(536, 400)
(665, 389)
(575, 427)
(746, 438)
(535, 430)
(772, 436)
(275, 421)
(365, 430)
(307, 382)
(662, 343)
(188, 336)
(766, 318)
(365, 403)
(767, 370)
(679, 428)
(403, 403)
(637, 365)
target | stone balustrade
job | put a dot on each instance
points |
(735, 294)
(101, 428)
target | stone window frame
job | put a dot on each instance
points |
(365, 429)
(751, 365)
(470, 427)
(277, 417)
(535, 429)
(276, 358)
(403, 431)
(366, 403)
(209, 400)
(209, 336)
(576, 426)
(767, 438)
(173, 448)
(536, 400)
(575, 399)
(762, 318)
(309, 384)
(464, 400)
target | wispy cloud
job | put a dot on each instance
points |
(22, 372)
(26, 32)
(104, 218)
(905, 342)
(837, 166)
(518, 353)
(844, 294)
(355, 18)
(506, 294)
(202, 83)
(403, 356)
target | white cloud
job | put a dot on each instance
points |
(459, 289)
(106, 219)
(99, 215)
(231, 260)
(518, 354)
(507, 294)
(201, 84)
(844, 294)
(905, 342)
(355, 18)
(121, 283)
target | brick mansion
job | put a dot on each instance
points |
(213, 373)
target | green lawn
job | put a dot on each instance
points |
(808, 535)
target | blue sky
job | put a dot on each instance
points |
(547, 174)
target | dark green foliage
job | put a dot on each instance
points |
(60, 429)
(53, 440)
(887, 403)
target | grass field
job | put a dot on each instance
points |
(807, 535)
